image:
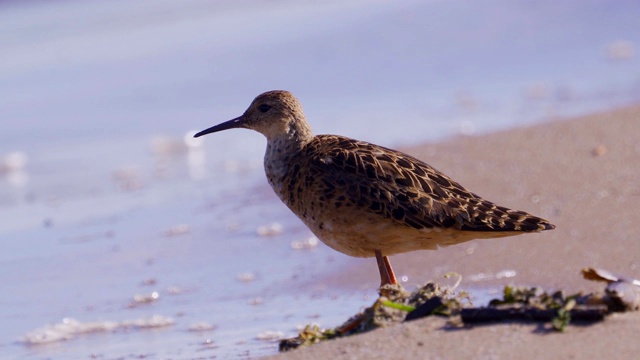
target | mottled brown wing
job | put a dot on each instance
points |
(398, 186)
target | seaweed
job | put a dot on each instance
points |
(395, 305)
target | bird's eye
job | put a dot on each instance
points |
(264, 108)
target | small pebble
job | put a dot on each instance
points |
(599, 150)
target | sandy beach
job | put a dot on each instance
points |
(583, 174)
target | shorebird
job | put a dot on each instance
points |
(366, 200)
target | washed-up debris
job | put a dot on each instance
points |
(70, 328)
(621, 293)
(521, 303)
(392, 307)
(518, 303)
(395, 305)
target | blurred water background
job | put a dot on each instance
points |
(149, 244)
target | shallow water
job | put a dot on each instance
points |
(102, 200)
(194, 243)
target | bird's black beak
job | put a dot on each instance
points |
(231, 124)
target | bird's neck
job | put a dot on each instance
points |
(281, 149)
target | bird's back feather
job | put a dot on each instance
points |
(398, 186)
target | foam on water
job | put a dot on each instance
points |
(69, 328)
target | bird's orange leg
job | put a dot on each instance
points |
(386, 272)
(386, 277)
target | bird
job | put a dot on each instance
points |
(366, 200)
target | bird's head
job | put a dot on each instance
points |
(275, 114)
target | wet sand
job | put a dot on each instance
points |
(583, 174)
(426, 339)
